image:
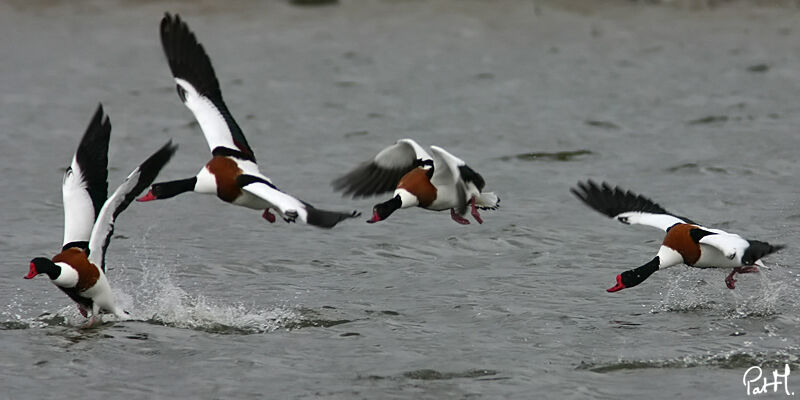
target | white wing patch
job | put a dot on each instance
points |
(281, 201)
(104, 226)
(445, 167)
(731, 245)
(400, 155)
(447, 175)
(211, 121)
(78, 206)
(660, 221)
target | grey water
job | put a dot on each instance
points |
(692, 104)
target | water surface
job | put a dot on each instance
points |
(695, 108)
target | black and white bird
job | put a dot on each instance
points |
(685, 242)
(79, 269)
(439, 182)
(232, 174)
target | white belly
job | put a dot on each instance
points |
(710, 257)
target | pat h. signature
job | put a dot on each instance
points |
(752, 380)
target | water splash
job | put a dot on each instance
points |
(152, 297)
(159, 300)
(757, 295)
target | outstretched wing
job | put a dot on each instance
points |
(625, 206)
(85, 185)
(447, 174)
(382, 173)
(198, 87)
(288, 204)
(139, 179)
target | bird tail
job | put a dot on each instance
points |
(487, 201)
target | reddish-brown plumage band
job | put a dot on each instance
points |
(685, 241)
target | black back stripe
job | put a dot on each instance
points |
(83, 245)
(244, 180)
(227, 152)
(674, 225)
(697, 234)
(469, 175)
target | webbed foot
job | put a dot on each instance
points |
(461, 220)
(268, 216)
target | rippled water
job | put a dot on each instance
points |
(695, 107)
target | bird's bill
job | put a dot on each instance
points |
(375, 217)
(32, 273)
(619, 286)
(148, 197)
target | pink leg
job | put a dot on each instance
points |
(268, 216)
(475, 211)
(461, 220)
(92, 321)
(730, 281)
(741, 270)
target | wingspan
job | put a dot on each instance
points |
(198, 87)
(138, 180)
(85, 185)
(625, 206)
(289, 206)
(447, 173)
(382, 173)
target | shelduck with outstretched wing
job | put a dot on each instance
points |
(79, 269)
(439, 182)
(685, 242)
(232, 174)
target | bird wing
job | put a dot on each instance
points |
(199, 89)
(286, 203)
(730, 244)
(382, 173)
(625, 206)
(139, 179)
(447, 174)
(85, 185)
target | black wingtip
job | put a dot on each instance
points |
(148, 171)
(327, 219)
(612, 201)
(367, 180)
(187, 58)
(92, 157)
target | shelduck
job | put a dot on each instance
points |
(232, 173)
(79, 269)
(437, 183)
(685, 242)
